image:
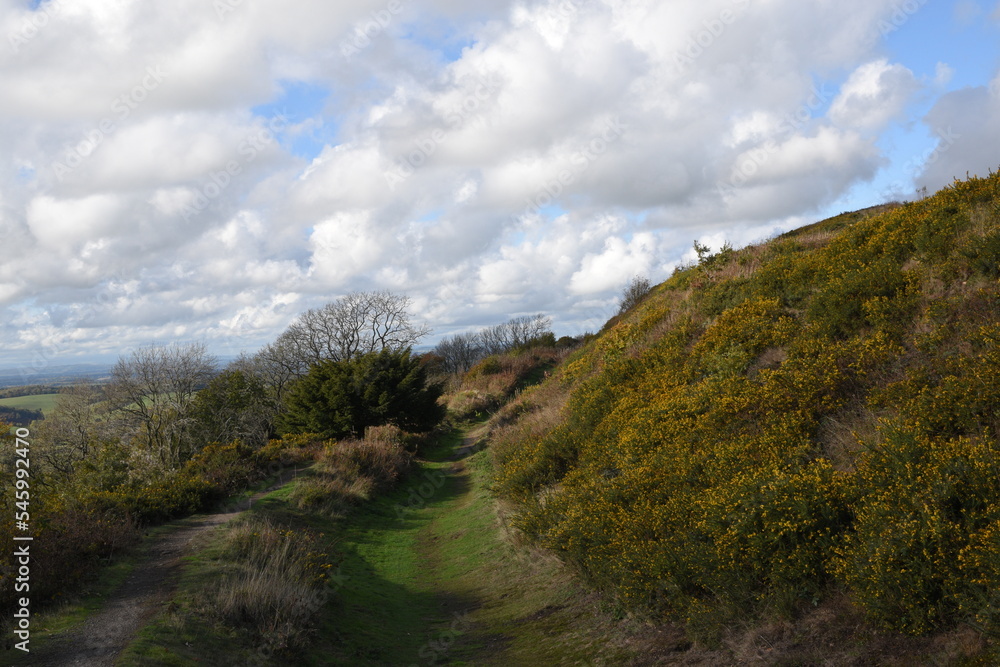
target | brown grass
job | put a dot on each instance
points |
(272, 583)
(351, 471)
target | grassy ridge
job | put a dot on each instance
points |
(811, 415)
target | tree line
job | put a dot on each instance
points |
(459, 352)
(335, 371)
(19, 416)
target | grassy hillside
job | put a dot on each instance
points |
(44, 402)
(808, 418)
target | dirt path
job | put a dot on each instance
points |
(103, 636)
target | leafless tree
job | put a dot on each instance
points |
(70, 432)
(356, 324)
(459, 352)
(513, 333)
(152, 391)
(634, 292)
(277, 364)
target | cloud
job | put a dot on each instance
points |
(874, 94)
(488, 158)
(966, 123)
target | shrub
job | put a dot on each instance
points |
(340, 399)
(687, 472)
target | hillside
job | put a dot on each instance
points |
(810, 418)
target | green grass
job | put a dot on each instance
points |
(436, 584)
(44, 402)
(184, 633)
(443, 583)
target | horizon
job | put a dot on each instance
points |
(205, 173)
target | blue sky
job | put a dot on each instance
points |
(207, 171)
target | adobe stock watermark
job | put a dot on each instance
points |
(421, 491)
(901, 13)
(426, 146)
(218, 181)
(581, 162)
(366, 31)
(711, 30)
(919, 163)
(122, 108)
(32, 25)
(224, 7)
(438, 648)
(753, 160)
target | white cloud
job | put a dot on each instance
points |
(966, 123)
(943, 74)
(617, 262)
(481, 177)
(64, 225)
(345, 245)
(874, 94)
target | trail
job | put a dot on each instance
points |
(442, 583)
(99, 640)
(431, 578)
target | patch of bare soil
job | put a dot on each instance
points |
(101, 638)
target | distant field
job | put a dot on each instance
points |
(43, 402)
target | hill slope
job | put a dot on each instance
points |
(815, 414)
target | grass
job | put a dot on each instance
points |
(251, 571)
(441, 582)
(73, 612)
(425, 574)
(44, 402)
(60, 617)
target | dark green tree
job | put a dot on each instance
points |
(338, 399)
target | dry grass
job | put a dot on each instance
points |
(841, 434)
(835, 633)
(272, 583)
(351, 471)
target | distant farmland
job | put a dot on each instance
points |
(43, 402)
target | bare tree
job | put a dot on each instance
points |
(152, 391)
(459, 352)
(513, 333)
(356, 324)
(635, 292)
(277, 364)
(527, 328)
(71, 431)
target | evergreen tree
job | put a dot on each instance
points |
(338, 399)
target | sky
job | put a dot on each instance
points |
(206, 170)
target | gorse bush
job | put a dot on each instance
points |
(693, 469)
